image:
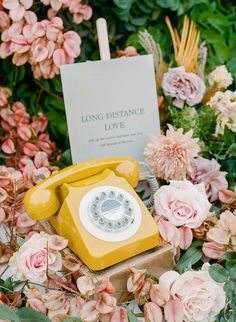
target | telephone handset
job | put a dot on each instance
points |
(93, 205)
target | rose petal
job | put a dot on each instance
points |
(173, 311)
(56, 242)
(168, 278)
(213, 250)
(167, 230)
(120, 316)
(159, 294)
(186, 237)
(152, 312)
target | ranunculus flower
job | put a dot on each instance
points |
(220, 77)
(35, 259)
(183, 87)
(182, 203)
(201, 297)
(208, 172)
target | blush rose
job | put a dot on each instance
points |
(183, 87)
(182, 203)
(37, 257)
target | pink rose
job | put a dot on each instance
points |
(184, 87)
(35, 259)
(202, 298)
(208, 172)
(182, 203)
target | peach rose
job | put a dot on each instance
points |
(182, 203)
(202, 298)
(36, 258)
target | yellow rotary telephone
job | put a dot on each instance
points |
(93, 205)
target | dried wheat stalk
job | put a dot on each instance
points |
(153, 48)
(186, 47)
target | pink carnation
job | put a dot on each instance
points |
(208, 172)
(183, 87)
(171, 156)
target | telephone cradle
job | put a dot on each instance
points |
(94, 205)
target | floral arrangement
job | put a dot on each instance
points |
(194, 162)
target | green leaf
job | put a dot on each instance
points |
(228, 136)
(20, 241)
(72, 320)
(8, 284)
(218, 273)
(230, 263)
(131, 316)
(229, 256)
(229, 288)
(190, 257)
(232, 149)
(7, 313)
(66, 157)
(123, 4)
(232, 273)
(29, 315)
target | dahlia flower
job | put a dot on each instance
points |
(171, 156)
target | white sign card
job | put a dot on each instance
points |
(111, 107)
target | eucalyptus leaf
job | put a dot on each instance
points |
(6, 313)
(131, 316)
(72, 320)
(190, 257)
(123, 4)
(232, 149)
(218, 273)
(232, 273)
(27, 314)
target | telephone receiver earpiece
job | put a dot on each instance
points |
(42, 202)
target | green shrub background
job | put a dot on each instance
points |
(215, 19)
